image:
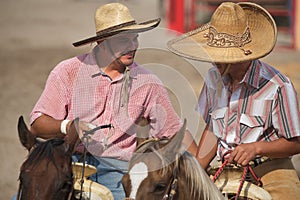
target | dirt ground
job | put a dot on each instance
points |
(36, 35)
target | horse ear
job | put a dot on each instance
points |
(142, 130)
(26, 138)
(173, 147)
(72, 138)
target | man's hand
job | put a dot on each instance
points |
(242, 154)
(83, 127)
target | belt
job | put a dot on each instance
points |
(259, 161)
(271, 165)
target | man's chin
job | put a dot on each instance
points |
(127, 62)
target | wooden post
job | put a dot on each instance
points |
(297, 25)
(176, 15)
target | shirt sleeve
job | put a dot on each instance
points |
(286, 113)
(164, 121)
(203, 104)
(53, 100)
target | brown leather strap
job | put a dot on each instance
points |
(274, 164)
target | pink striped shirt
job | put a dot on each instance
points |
(75, 88)
(264, 98)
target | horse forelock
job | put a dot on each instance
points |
(152, 147)
(44, 150)
(43, 155)
(139, 169)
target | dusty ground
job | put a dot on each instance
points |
(36, 35)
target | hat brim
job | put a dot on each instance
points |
(135, 28)
(193, 45)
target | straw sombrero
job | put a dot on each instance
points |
(111, 19)
(237, 32)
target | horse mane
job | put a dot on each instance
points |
(42, 150)
(196, 177)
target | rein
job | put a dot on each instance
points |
(248, 168)
(85, 139)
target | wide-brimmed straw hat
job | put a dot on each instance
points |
(237, 32)
(111, 19)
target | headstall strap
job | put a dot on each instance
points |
(172, 187)
(147, 141)
(224, 40)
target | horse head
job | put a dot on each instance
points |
(163, 169)
(47, 171)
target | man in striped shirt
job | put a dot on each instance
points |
(251, 109)
(106, 87)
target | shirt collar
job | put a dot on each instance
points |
(251, 77)
(91, 60)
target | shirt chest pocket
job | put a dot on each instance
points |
(218, 121)
(251, 127)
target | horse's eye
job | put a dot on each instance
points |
(160, 188)
(67, 186)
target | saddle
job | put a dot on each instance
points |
(229, 181)
(91, 190)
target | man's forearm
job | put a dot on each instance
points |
(47, 127)
(280, 148)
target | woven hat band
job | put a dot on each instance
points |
(216, 39)
(111, 29)
(237, 32)
(114, 18)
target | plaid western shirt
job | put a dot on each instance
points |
(264, 107)
(77, 88)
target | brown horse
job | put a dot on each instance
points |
(47, 172)
(162, 169)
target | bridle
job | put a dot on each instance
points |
(85, 139)
(171, 190)
(173, 184)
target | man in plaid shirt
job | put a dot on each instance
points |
(251, 109)
(106, 87)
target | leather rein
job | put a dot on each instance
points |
(85, 139)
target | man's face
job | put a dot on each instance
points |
(124, 46)
(223, 68)
(232, 69)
